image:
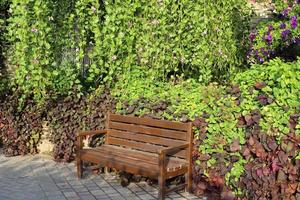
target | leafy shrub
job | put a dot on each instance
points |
(142, 33)
(40, 55)
(72, 114)
(4, 5)
(20, 131)
(59, 46)
(238, 129)
(273, 89)
(279, 36)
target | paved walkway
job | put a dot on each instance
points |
(40, 178)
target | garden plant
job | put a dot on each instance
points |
(68, 63)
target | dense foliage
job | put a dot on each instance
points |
(167, 60)
(59, 46)
(238, 129)
(70, 115)
(4, 6)
(20, 130)
(278, 37)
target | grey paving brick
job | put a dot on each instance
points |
(97, 192)
(38, 178)
(70, 194)
(59, 197)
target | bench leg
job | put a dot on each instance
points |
(79, 164)
(162, 188)
(107, 170)
(188, 182)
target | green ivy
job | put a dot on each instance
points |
(270, 91)
(4, 6)
(60, 46)
(281, 88)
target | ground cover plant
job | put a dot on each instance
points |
(247, 135)
(71, 62)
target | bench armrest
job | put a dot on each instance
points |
(163, 153)
(80, 135)
(175, 149)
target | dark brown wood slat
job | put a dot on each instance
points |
(150, 122)
(124, 154)
(177, 172)
(141, 146)
(120, 164)
(178, 135)
(112, 156)
(144, 138)
(145, 155)
(176, 188)
(188, 176)
(142, 156)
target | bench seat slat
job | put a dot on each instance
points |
(148, 157)
(111, 155)
(141, 146)
(130, 166)
(150, 122)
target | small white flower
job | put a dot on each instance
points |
(182, 59)
(34, 30)
(114, 57)
(220, 52)
(94, 9)
(155, 22)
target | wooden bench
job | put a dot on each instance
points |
(148, 147)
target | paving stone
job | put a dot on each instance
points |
(88, 197)
(81, 189)
(38, 178)
(53, 193)
(97, 192)
(59, 197)
(146, 197)
(70, 194)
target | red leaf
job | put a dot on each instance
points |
(260, 85)
(259, 172)
(235, 146)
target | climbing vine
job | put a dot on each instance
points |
(59, 47)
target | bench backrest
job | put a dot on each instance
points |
(149, 135)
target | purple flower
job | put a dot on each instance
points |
(270, 28)
(294, 22)
(283, 25)
(269, 38)
(298, 1)
(285, 12)
(264, 52)
(284, 34)
(261, 60)
(297, 41)
(252, 36)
